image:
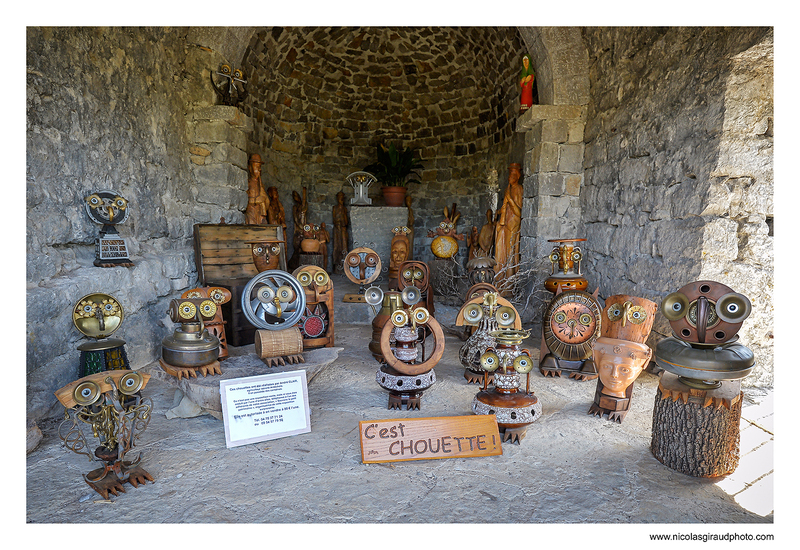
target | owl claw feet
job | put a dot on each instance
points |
(473, 377)
(105, 480)
(515, 435)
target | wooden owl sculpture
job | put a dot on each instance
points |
(571, 324)
(316, 323)
(445, 238)
(621, 354)
(266, 254)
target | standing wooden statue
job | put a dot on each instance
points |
(486, 235)
(257, 199)
(399, 252)
(299, 217)
(275, 212)
(324, 238)
(340, 222)
(410, 225)
(506, 242)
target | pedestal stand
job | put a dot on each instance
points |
(696, 431)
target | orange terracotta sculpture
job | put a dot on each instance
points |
(398, 253)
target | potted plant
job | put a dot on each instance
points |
(394, 170)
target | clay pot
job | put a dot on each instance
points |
(310, 246)
(394, 195)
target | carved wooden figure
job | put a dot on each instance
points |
(570, 326)
(300, 219)
(316, 324)
(111, 403)
(257, 198)
(216, 326)
(507, 229)
(698, 403)
(341, 220)
(275, 213)
(410, 225)
(486, 235)
(398, 253)
(266, 254)
(514, 410)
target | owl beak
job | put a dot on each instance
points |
(627, 305)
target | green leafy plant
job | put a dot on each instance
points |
(394, 166)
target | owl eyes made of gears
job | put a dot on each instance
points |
(107, 208)
(706, 312)
(401, 230)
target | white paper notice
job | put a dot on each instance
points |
(269, 406)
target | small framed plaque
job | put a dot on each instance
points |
(264, 407)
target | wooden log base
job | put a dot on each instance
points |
(397, 400)
(190, 372)
(726, 395)
(281, 361)
(700, 436)
(515, 435)
(474, 377)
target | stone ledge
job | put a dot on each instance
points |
(537, 113)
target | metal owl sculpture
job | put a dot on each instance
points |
(230, 85)
(112, 405)
(571, 324)
(316, 323)
(109, 209)
(445, 238)
(488, 313)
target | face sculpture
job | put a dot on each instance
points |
(619, 363)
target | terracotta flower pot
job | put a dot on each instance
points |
(394, 195)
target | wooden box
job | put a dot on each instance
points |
(222, 252)
(224, 258)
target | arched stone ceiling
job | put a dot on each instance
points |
(559, 56)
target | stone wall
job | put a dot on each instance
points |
(120, 109)
(678, 167)
(323, 98)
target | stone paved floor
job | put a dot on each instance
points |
(571, 468)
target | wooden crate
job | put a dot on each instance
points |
(221, 252)
(223, 258)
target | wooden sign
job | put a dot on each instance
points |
(428, 438)
(264, 407)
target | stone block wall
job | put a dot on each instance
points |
(323, 98)
(678, 168)
(107, 109)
